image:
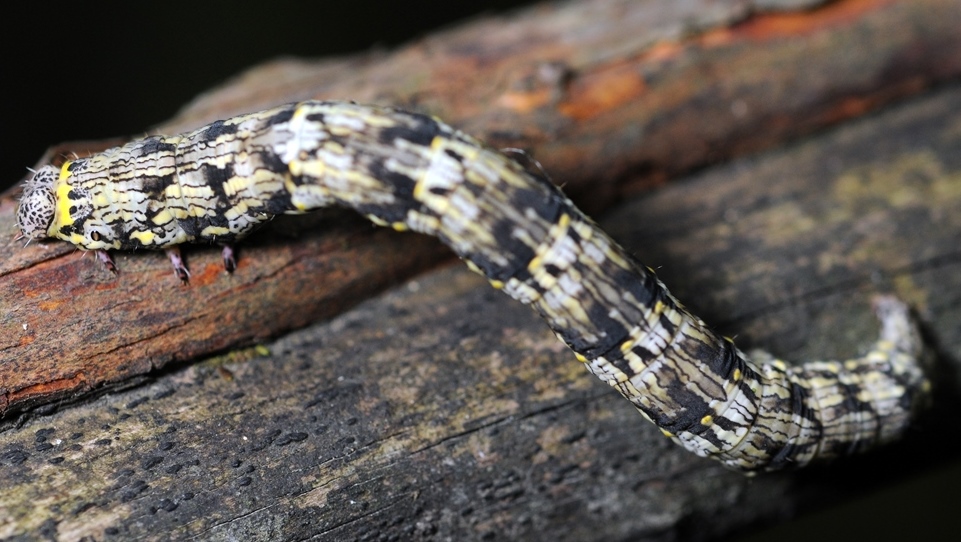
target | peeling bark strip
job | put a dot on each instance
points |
(410, 171)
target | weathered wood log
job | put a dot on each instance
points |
(610, 96)
(443, 410)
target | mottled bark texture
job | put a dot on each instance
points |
(443, 409)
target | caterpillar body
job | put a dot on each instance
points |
(410, 171)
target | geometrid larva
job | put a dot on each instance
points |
(410, 171)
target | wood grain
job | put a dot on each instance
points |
(610, 96)
(443, 410)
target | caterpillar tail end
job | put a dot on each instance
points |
(898, 325)
(900, 329)
(907, 361)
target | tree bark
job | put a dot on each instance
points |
(442, 408)
(609, 96)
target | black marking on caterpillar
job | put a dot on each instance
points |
(410, 171)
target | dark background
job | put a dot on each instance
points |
(117, 69)
(114, 70)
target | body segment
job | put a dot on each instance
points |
(410, 171)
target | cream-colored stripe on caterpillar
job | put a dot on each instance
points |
(406, 170)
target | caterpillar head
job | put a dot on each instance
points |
(38, 203)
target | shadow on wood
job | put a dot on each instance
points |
(444, 410)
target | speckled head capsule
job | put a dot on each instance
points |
(38, 203)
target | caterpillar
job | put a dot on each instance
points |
(510, 223)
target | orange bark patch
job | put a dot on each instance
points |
(603, 91)
(771, 26)
(49, 388)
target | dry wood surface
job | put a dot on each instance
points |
(442, 409)
(609, 96)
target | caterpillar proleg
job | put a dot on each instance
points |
(410, 171)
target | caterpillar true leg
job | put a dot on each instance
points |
(177, 261)
(104, 257)
(510, 223)
(229, 258)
